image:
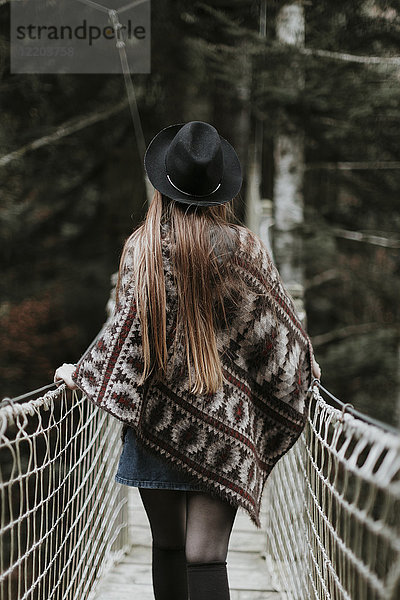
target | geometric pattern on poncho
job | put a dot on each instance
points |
(228, 441)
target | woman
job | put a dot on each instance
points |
(204, 361)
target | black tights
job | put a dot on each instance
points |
(191, 533)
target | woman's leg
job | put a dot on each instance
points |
(209, 525)
(166, 511)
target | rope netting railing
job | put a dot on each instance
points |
(63, 519)
(333, 530)
(333, 520)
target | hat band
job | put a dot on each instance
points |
(194, 195)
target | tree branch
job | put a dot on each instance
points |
(344, 332)
(358, 236)
(355, 165)
(67, 128)
(321, 278)
(369, 60)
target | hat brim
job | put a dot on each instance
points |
(154, 162)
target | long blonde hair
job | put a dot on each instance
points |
(201, 250)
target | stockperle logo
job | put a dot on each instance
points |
(80, 36)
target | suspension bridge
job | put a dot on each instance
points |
(330, 522)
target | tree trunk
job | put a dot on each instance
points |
(397, 420)
(289, 167)
(258, 210)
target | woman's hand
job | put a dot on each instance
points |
(63, 374)
(316, 369)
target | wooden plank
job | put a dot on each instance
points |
(248, 595)
(247, 541)
(120, 591)
(139, 555)
(250, 577)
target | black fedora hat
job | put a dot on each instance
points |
(191, 163)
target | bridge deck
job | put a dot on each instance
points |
(248, 576)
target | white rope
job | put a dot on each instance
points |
(130, 90)
(333, 520)
(62, 517)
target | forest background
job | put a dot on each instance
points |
(67, 206)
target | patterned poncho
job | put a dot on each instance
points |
(228, 441)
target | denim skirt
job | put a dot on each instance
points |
(139, 467)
